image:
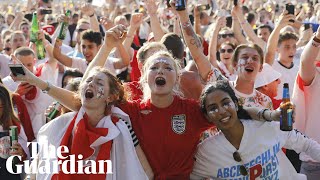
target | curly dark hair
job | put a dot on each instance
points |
(222, 85)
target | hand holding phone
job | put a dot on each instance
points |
(235, 2)
(290, 9)
(16, 69)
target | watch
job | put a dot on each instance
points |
(47, 89)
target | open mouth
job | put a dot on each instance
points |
(160, 81)
(224, 120)
(291, 57)
(89, 94)
(249, 69)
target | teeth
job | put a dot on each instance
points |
(226, 119)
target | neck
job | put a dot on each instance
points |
(234, 134)
(162, 101)
(94, 116)
(244, 86)
(230, 68)
(287, 64)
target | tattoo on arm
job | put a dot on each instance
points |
(194, 38)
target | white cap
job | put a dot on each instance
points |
(266, 76)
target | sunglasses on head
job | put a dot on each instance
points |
(226, 50)
(226, 35)
(7, 49)
(237, 157)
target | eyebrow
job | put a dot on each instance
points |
(226, 98)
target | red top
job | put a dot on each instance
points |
(205, 46)
(168, 136)
(135, 71)
(23, 116)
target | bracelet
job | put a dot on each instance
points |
(91, 15)
(315, 42)
(264, 117)
(186, 24)
(315, 39)
(47, 89)
(260, 114)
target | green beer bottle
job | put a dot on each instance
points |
(41, 52)
(64, 26)
(34, 28)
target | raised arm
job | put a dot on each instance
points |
(197, 24)
(194, 44)
(135, 22)
(247, 28)
(62, 58)
(307, 69)
(152, 9)
(89, 11)
(236, 28)
(221, 22)
(112, 38)
(274, 36)
(67, 98)
(124, 59)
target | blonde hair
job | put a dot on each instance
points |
(143, 80)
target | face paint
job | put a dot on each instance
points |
(100, 93)
(241, 65)
(165, 61)
(225, 106)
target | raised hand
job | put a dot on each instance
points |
(284, 19)
(87, 9)
(115, 36)
(136, 20)
(151, 6)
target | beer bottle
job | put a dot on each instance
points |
(34, 28)
(286, 110)
(64, 27)
(180, 5)
(55, 111)
(13, 133)
(41, 53)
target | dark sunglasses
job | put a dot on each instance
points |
(7, 49)
(237, 157)
(81, 30)
(226, 50)
(226, 35)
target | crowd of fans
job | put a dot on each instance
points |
(163, 93)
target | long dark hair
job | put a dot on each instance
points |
(224, 86)
(7, 111)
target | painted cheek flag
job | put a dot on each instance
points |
(298, 98)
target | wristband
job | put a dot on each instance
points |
(315, 39)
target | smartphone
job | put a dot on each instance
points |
(46, 11)
(290, 9)
(16, 69)
(168, 4)
(235, 2)
(203, 7)
(28, 16)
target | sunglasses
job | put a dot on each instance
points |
(7, 49)
(226, 35)
(81, 30)
(237, 157)
(226, 50)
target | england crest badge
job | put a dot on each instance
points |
(178, 123)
